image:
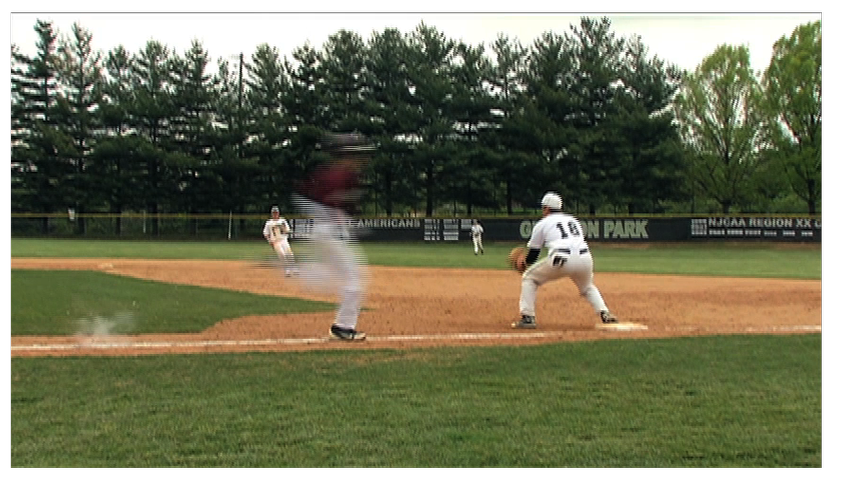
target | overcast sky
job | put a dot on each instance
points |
(681, 39)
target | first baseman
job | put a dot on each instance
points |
(276, 232)
(568, 256)
(477, 236)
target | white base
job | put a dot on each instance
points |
(621, 327)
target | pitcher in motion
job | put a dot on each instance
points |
(330, 197)
(568, 256)
(276, 232)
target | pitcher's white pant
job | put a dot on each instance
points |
(478, 244)
(575, 265)
(335, 261)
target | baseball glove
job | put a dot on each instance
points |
(516, 259)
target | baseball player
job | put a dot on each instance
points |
(477, 236)
(276, 232)
(568, 256)
(330, 197)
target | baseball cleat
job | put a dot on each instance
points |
(527, 321)
(607, 317)
(347, 334)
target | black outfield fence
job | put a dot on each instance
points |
(637, 229)
(410, 229)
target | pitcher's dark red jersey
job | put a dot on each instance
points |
(335, 185)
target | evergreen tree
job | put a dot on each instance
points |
(513, 148)
(194, 90)
(115, 156)
(343, 67)
(234, 174)
(42, 152)
(470, 178)
(392, 119)
(18, 151)
(430, 76)
(310, 115)
(643, 133)
(543, 130)
(192, 130)
(306, 97)
(81, 78)
(268, 125)
(596, 54)
(151, 110)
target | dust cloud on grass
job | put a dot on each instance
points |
(108, 329)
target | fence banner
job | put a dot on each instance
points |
(757, 228)
(638, 229)
(370, 229)
(634, 229)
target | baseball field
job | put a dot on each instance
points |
(180, 354)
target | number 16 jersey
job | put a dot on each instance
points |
(557, 230)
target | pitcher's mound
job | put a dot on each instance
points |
(621, 327)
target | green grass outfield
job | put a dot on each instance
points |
(723, 401)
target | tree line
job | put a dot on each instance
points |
(459, 128)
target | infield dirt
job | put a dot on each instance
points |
(423, 307)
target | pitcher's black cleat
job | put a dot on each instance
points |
(527, 321)
(347, 334)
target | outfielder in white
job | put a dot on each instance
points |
(477, 236)
(568, 255)
(276, 232)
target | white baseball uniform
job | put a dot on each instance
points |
(276, 232)
(477, 237)
(568, 255)
(337, 263)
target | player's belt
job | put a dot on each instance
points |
(569, 252)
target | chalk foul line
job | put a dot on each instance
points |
(106, 343)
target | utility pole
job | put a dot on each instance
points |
(240, 108)
(241, 208)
